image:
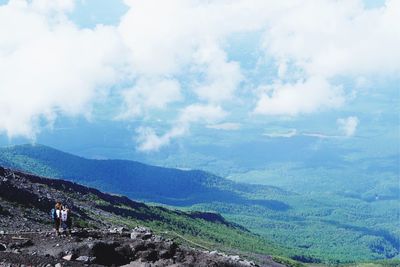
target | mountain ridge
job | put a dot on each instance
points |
(26, 199)
(167, 185)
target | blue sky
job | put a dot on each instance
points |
(158, 75)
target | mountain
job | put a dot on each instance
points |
(136, 180)
(25, 202)
(315, 226)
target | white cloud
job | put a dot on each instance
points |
(311, 43)
(294, 132)
(298, 98)
(331, 38)
(169, 38)
(148, 140)
(348, 125)
(201, 113)
(227, 126)
(327, 39)
(47, 6)
(221, 77)
(172, 49)
(291, 133)
(149, 94)
(322, 135)
(49, 66)
(164, 35)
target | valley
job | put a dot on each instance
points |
(314, 227)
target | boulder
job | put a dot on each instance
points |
(85, 259)
(124, 251)
(113, 231)
(121, 230)
(135, 264)
(68, 257)
(138, 245)
(149, 255)
(234, 258)
(111, 253)
(22, 244)
(141, 232)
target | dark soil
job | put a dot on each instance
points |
(137, 248)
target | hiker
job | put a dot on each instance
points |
(56, 216)
(66, 221)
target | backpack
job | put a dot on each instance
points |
(64, 215)
(53, 214)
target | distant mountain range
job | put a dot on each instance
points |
(137, 180)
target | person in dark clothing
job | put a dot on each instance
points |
(57, 217)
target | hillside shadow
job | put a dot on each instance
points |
(393, 240)
(214, 196)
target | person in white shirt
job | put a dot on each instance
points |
(64, 215)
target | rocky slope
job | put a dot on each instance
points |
(139, 247)
(105, 234)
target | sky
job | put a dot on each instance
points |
(161, 72)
